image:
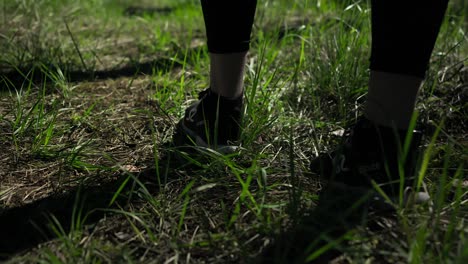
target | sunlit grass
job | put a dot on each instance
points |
(300, 89)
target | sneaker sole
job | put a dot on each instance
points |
(187, 137)
(377, 202)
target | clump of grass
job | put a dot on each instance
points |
(300, 88)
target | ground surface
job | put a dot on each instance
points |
(90, 93)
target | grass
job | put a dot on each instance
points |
(90, 95)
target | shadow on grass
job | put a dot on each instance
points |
(323, 234)
(15, 79)
(26, 227)
(147, 11)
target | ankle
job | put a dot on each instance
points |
(227, 73)
(391, 98)
(214, 93)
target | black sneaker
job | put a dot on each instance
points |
(212, 122)
(372, 153)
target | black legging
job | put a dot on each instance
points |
(228, 24)
(403, 31)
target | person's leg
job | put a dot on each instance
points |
(214, 121)
(403, 37)
(228, 27)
